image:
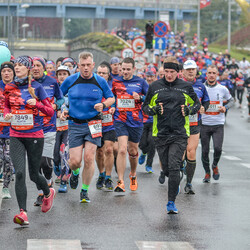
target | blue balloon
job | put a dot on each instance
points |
(4, 54)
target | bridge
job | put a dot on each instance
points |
(113, 9)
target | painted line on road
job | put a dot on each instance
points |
(247, 165)
(179, 245)
(231, 158)
(51, 244)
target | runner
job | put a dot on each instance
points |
(61, 154)
(49, 123)
(105, 153)
(129, 91)
(189, 74)
(85, 92)
(247, 86)
(6, 166)
(147, 144)
(167, 100)
(114, 63)
(240, 87)
(26, 133)
(213, 122)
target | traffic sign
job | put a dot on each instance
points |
(139, 62)
(127, 52)
(160, 29)
(160, 43)
(139, 45)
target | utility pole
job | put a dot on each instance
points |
(199, 23)
(229, 27)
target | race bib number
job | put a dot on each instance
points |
(125, 103)
(193, 120)
(95, 128)
(61, 125)
(22, 119)
(2, 121)
(213, 108)
(107, 119)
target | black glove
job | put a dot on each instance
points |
(157, 109)
(186, 110)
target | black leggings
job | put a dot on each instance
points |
(34, 149)
(240, 95)
(61, 137)
(217, 133)
(171, 155)
(147, 144)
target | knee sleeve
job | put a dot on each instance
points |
(133, 156)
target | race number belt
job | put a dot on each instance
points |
(2, 121)
(125, 103)
(107, 119)
(213, 108)
(61, 125)
(95, 128)
(22, 119)
(193, 120)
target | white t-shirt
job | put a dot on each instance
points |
(216, 94)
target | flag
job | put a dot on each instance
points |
(204, 3)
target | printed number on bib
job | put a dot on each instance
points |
(61, 125)
(125, 103)
(22, 119)
(193, 120)
(2, 121)
(107, 119)
(95, 128)
(213, 108)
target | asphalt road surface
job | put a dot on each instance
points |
(216, 217)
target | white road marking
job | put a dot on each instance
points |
(51, 244)
(247, 165)
(160, 245)
(232, 158)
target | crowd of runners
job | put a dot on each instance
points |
(69, 114)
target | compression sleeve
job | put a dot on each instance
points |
(206, 105)
(45, 107)
(230, 103)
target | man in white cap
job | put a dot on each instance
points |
(189, 74)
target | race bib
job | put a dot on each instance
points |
(2, 121)
(213, 108)
(61, 125)
(22, 119)
(95, 128)
(107, 119)
(125, 103)
(193, 120)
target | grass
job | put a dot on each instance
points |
(238, 54)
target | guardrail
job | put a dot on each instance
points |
(133, 3)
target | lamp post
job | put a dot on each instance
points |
(229, 27)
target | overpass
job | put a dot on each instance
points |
(111, 9)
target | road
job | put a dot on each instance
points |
(216, 217)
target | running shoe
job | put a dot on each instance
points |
(207, 178)
(84, 196)
(108, 185)
(73, 181)
(133, 183)
(100, 182)
(171, 208)
(142, 158)
(57, 170)
(21, 219)
(216, 174)
(149, 170)
(39, 201)
(63, 187)
(58, 179)
(189, 189)
(120, 186)
(48, 201)
(161, 177)
(6, 193)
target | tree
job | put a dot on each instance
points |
(76, 27)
